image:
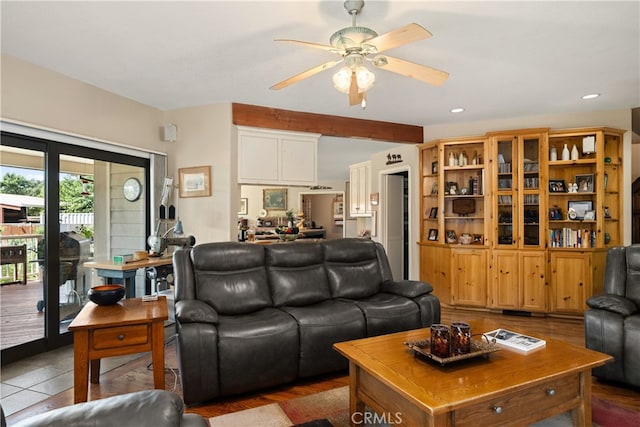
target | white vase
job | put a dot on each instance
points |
(452, 159)
(565, 153)
(574, 153)
(554, 154)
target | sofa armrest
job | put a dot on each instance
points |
(406, 288)
(152, 408)
(613, 303)
(195, 311)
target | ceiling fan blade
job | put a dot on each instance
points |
(309, 44)
(401, 36)
(304, 75)
(410, 69)
(355, 97)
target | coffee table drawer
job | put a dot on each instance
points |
(519, 405)
(122, 336)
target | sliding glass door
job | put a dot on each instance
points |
(81, 215)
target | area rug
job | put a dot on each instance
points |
(331, 409)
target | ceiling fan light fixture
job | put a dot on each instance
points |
(364, 79)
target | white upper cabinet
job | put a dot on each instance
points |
(359, 189)
(277, 157)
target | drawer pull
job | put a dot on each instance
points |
(121, 337)
(497, 409)
(551, 392)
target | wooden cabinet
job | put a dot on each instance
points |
(469, 276)
(527, 252)
(517, 280)
(575, 276)
(277, 157)
(435, 269)
(518, 197)
(360, 189)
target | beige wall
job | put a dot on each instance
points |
(204, 135)
(36, 96)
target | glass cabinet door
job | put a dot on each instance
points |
(529, 202)
(505, 192)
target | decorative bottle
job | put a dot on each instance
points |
(452, 159)
(554, 154)
(565, 153)
(574, 153)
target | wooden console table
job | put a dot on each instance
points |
(15, 255)
(130, 326)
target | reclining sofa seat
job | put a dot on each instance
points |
(612, 322)
(253, 316)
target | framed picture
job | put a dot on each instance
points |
(274, 199)
(585, 183)
(434, 188)
(451, 236)
(433, 214)
(581, 207)
(590, 216)
(244, 206)
(434, 167)
(557, 186)
(433, 234)
(195, 182)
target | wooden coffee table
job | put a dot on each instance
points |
(130, 326)
(506, 388)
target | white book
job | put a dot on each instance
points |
(515, 341)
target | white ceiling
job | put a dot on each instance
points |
(505, 59)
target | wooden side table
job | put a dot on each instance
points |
(130, 326)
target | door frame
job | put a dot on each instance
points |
(383, 206)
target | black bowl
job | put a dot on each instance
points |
(106, 294)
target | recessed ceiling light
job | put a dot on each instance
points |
(591, 96)
(457, 110)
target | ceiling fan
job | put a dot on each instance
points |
(360, 45)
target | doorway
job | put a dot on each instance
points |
(396, 214)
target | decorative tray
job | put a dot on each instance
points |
(478, 348)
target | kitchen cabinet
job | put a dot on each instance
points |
(270, 157)
(359, 189)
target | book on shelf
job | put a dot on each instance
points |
(515, 341)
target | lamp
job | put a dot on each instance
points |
(364, 79)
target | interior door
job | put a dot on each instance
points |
(394, 214)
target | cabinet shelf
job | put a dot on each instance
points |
(570, 221)
(467, 167)
(462, 218)
(560, 163)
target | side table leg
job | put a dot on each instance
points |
(80, 365)
(356, 406)
(157, 353)
(95, 371)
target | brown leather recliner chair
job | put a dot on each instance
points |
(612, 322)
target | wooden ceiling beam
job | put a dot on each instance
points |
(274, 118)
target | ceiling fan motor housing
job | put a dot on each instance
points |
(351, 37)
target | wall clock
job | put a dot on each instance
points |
(132, 189)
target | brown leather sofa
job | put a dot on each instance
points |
(252, 316)
(612, 322)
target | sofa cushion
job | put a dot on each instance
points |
(387, 313)
(633, 273)
(231, 277)
(297, 277)
(321, 325)
(257, 350)
(352, 268)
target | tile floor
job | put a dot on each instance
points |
(29, 381)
